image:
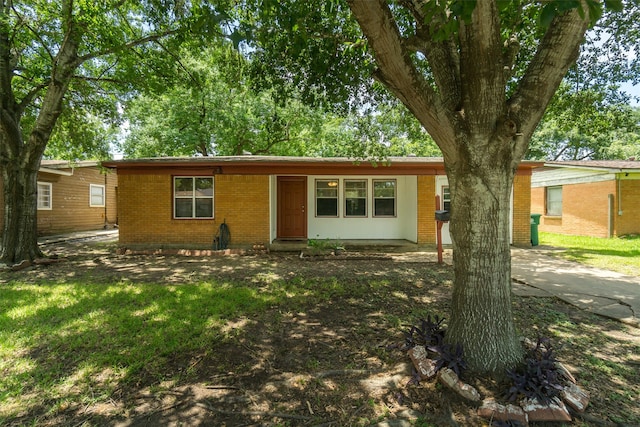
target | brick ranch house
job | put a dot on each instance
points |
(77, 196)
(181, 202)
(588, 198)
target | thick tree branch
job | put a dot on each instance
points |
(98, 79)
(31, 95)
(396, 70)
(128, 45)
(33, 31)
(442, 55)
(557, 51)
(9, 119)
(511, 49)
(481, 69)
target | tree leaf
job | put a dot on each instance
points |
(548, 13)
(614, 5)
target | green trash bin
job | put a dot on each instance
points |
(535, 221)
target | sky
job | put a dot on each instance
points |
(634, 91)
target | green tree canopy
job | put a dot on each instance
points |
(215, 109)
(584, 124)
(477, 75)
(76, 55)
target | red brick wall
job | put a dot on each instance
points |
(522, 210)
(629, 221)
(146, 212)
(426, 210)
(585, 209)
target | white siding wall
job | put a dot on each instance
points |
(403, 226)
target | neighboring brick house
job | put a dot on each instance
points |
(77, 196)
(171, 202)
(588, 198)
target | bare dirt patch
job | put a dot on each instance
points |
(333, 363)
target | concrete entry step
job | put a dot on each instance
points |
(374, 245)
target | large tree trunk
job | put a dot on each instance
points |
(20, 158)
(481, 317)
(483, 133)
(19, 233)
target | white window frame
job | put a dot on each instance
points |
(49, 205)
(194, 197)
(333, 183)
(446, 198)
(553, 207)
(103, 196)
(394, 198)
(347, 198)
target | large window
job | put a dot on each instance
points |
(96, 195)
(355, 198)
(384, 197)
(327, 197)
(44, 196)
(193, 197)
(554, 201)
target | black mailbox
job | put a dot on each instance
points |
(442, 215)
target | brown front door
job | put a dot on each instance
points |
(292, 207)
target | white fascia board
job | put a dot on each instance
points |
(56, 171)
(567, 177)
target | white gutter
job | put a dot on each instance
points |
(600, 168)
(56, 171)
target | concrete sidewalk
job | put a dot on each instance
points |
(80, 235)
(603, 292)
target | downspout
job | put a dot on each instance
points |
(619, 195)
(106, 223)
(611, 212)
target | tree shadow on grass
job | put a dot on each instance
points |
(283, 341)
(80, 345)
(586, 253)
(601, 353)
(78, 342)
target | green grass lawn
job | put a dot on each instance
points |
(617, 254)
(75, 342)
(65, 344)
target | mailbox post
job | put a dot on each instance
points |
(442, 217)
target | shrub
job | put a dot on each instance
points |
(450, 356)
(538, 377)
(430, 332)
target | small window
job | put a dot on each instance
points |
(96, 195)
(44, 196)
(446, 199)
(384, 198)
(193, 197)
(355, 198)
(327, 197)
(554, 201)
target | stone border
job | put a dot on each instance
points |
(528, 410)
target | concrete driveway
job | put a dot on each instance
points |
(599, 291)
